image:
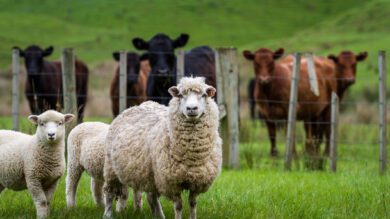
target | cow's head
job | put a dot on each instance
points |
(346, 66)
(33, 58)
(161, 52)
(132, 65)
(264, 63)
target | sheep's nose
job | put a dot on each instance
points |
(51, 134)
(194, 108)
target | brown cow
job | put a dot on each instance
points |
(138, 69)
(43, 87)
(272, 92)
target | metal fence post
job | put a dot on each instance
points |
(382, 111)
(180, 66)
(292, 111)
(69, 85)
(122, 81)
(333, 134)
(15, 89)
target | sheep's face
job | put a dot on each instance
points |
(192, 102)
(51, 125)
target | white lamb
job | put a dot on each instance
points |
(165, 150)
(86, 152)
(35, 162)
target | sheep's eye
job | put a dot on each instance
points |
(42, 124)
(60, 123)
(204, 95)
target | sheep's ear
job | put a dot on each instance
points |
(174, 91)
(68, 117)
(33, 119)
(210, 91)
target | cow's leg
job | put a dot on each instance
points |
(271, 127)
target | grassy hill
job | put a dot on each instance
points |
(96, 28)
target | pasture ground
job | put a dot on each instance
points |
(260, 189)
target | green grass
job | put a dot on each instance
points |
(260, 189)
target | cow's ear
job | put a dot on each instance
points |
(116, 56)
(332, 57)
(278, 53)
(140, 44)
(21, 52)
(362, 56)
(144, 56)
(181, 40)
(248, 55)
(48, 51)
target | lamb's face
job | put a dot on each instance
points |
(51, 125)
(192, 102)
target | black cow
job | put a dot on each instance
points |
(43, 87)
(198, 62)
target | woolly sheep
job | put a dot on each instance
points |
(35, 162)
(86, 151)
(165, 150)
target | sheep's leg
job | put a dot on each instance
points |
(192, 201)
(97, 191)
(178, 204)
(39, 198)
(137, 200)
(155, 205)
(122, 199)
(72, 181)
(49, 194)
(109, 196)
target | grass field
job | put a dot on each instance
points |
(261, 188)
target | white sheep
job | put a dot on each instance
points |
(86, 152)
(35, 162)
(165, 150)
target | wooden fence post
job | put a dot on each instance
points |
(122, 81)
(15, 89)
(312, 74)
(333, 133)
(180, 66)
(382, 112)
(227, 85)
(292, 111)
(69, 86)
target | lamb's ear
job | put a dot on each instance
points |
(332, 57)
(21, 52)
(361, 57)
(174, 91)
(210, 91)
(68, 117)
(48, 51)
(140, 44)
(248, 55)
(116, 56)
(33, 119)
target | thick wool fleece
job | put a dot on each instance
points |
(28, 161)
(86, 151)
(154, 148)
